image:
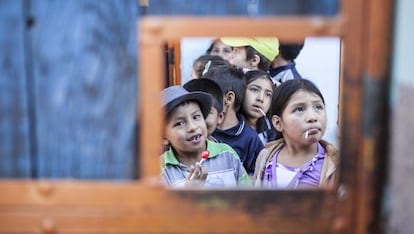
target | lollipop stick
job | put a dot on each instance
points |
(264, 114)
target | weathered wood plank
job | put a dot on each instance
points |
(297, 28)
(243, 7)
(14, 116)
(84, 70)
(142, 208)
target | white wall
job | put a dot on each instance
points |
(318, 61)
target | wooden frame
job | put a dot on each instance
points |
(144, 206)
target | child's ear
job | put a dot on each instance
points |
(165, 142)
(254, 62)
(229, 98)
(277, 123)
(220, 118)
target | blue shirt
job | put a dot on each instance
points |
(284, 73)
(244, 140)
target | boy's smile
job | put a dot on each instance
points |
(196, 138)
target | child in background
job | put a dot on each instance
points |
(216, 113)
(186, 134)
(252, 53)
(234, 130)
(203, 63)
(283, 67)
(218, 48)
(256, 103)
(300, 159)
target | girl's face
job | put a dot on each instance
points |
(221, 49)
(186, 129)
(304, 118)
(238, 58)
(257, 98)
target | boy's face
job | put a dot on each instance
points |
(186, 129)
(212, 120)
(238, 58)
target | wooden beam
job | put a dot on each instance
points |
(286, 28)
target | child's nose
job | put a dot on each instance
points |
(311, 115)
(191, 125)
(260, 96)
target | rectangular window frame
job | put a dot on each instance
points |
(68, 206)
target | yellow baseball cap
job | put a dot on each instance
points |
(266, 46)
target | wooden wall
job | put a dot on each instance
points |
(15, 142)
(68, 89)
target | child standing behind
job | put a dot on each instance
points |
(301, 159)
(252, 53)
(283, 67)
(216, 113)
(234, 130)
(203, 63)
(186, 134)
(256, 103)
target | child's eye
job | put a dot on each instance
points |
(320, 107)
(298, 109)
(227, 51)
(269, 95)
(254, 89)
(197, 116)
(179, 124)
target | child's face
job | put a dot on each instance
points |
(304, 112)
(238, 58)
(258, 96)
(221, 49)
(194, 74)
(186, 129)
(212, 120)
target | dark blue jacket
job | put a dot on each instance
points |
(244, 140)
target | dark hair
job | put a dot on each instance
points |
(290, 51)
(264, 63)
(253, 75)
(208, 86)
(229, 78)
(203, 63)
(210, 48)
(263, 124)
(287, 89)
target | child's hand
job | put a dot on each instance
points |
(197, 176)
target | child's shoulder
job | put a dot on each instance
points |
(216, 148)
(331, 151)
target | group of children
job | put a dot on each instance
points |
(239, 126)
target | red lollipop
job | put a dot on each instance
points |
(204, 156)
